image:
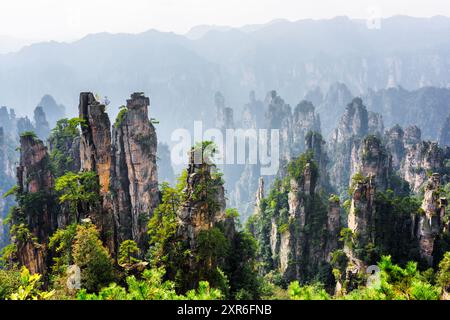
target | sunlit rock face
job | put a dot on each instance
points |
(134, 175)
(35, 181)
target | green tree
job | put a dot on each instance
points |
(61, 142)
(128, 253)
(92, 258)
(78, 190)
(308, 292)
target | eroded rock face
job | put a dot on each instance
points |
(304, 121)
(41, 123)
(361, 218)
(420, 159)
(395, 144)
(430, 222)
(201, 210)
(279, 116)
(333, 227)
(35, 182)
(134, 177)
(95, 155)
(95, 143)
(345, 141)
(372, 159)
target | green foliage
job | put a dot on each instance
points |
(165, 249)
(78, 190)
(92, 258)
(60, 244)
(296, 167)
(120, 116)
(232, 213)
(29, 288)
(397, 283)
(128, 251)
(151, 287)
(308, 292)
(11, 191)
(28, 134)
(61, 140)
(443, 275)
(9, 282)
(357, 178)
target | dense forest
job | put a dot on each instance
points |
(361, 215)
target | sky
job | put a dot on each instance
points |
(67, 20)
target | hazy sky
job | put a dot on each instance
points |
(71, 19)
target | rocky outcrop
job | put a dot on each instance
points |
(279, 116)
(333, 227)
(431, 220)
(24, 125)
(421, 159)
(361, 218)
(332, 106)
(355, 124)
(95, 143)
(95, 155)
(253, 113)
(7, 177)
(202, 211)
(293, 225)
(304, 120)
(224, 115)
(52, 109)
(36, 217)
(373, 160)
(395, 144)
(406, 108)
(134, 176)
(41, 123)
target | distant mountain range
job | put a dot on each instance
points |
(181, 73)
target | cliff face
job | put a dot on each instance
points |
(331, 106)
(403, 107)
(372, 159)
(7, 177)
(202, 210)
(41, 123)
(95, 155)
(279, 116)
(431, 221)
(134, 177)
(355, 124)
(420, 159)
(36, 219)
(294, 224)
(304, 120)
(95, 143)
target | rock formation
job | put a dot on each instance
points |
(41, 123)
(304, 120)
(36, 219)
(431, 220)
(134, 177)
(372, 160)
(95, 155)
(202, 210)
(52, 109)
(355, 124)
